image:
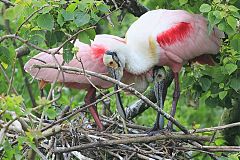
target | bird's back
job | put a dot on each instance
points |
(165, 27)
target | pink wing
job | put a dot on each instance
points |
(90, 56)
(185, 40)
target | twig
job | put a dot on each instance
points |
(133, 6)
(13, 36)
(81, 109)
(213, 148)
(132, 140)
(132, 90)
(7, 2)
(12, 76)
(71, 37)
(237, 124)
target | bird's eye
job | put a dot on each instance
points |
(113, 64)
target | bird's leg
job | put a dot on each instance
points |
(91, 97)
(176, 96)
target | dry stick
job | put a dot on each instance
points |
(134, 126)
(213, 148)
(83, 107)
(6, 2)
(237, 124)
(132, 90)
(144, 139)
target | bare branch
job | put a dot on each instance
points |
(132, 6)
(145, 139)
(237, 124)
(8, 3)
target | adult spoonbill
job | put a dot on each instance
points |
(165, 38)
(92, 59)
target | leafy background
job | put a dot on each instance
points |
(209, 95)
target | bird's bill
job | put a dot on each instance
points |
(117, 74)
(115, 70)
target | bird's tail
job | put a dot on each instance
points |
(205, 59)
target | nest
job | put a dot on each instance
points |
(119, 140)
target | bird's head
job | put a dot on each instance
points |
(115, 61)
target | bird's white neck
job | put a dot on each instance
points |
(137, 62)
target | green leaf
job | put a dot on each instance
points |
(51, 113)
(212, 18)
(45, 21)
(37, 39)
(60, 19)
(218, 15)
(182, 2)
(235, 84)
(60, 36)
(103, 7)
(230, 68)
(235, 42)
(51, 38)
(5, 55)
(222, 94)
(205, 83)
(233, 8)
(68, 16)
(71, 7)
(46, 10)
(81, 18)
(13, 12)
(219, 142)
(91, 33)
(232, 22)
(67, 52)
(213, 102)
(205, 8)
(83, 37)
(187, 81)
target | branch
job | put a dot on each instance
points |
(130, 89)
(139, 106)
(237, 124)
(82, 108)
(8, 3)
(145, 139)
(132, 6)
(213, 148)
(12, 36)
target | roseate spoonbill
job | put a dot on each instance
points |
(165, 38)
(92, 59)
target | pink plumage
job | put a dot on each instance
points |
(178, 36)
(91, 57)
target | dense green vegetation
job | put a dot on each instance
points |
(210, 96)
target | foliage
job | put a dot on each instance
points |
(49, 23)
